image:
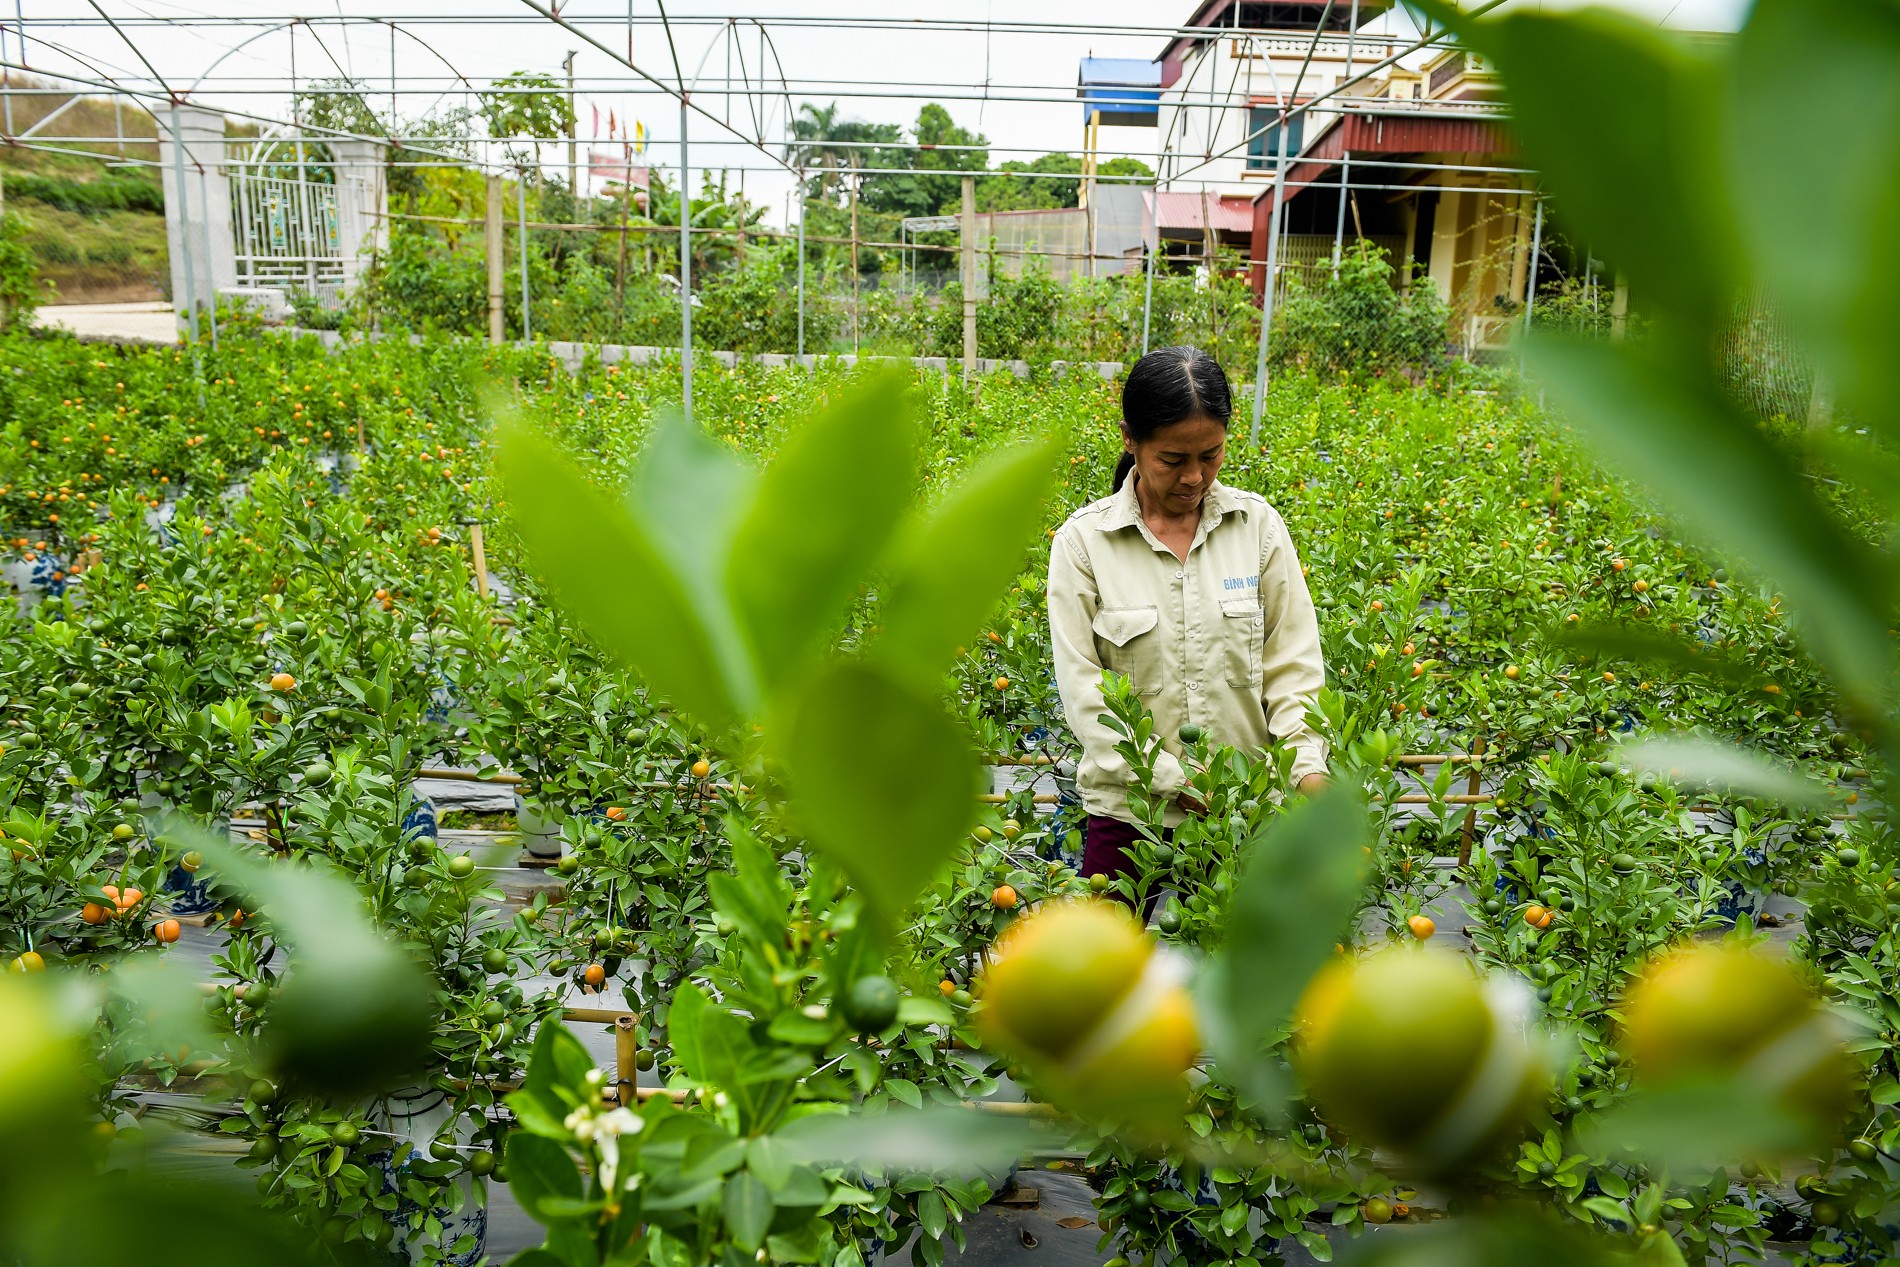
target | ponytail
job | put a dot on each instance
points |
(1125, 465)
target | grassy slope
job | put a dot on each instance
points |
(116, 256)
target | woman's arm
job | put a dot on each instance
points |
(1292, 671)
(1073, 601)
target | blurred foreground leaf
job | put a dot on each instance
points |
(1696, 1128)
(1607, 102)
(1821, 234)
(948, 570)
(1723, 767)
(1635, 644)
(164, 1221)
(356, 1014)
(1511, 1236)
(937, 1139)
(881, 778)
(823, 511)
(613, 576)
(1293, 904)
(1733, 488)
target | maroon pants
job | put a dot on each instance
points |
(1105, 843)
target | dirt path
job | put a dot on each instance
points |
(144, 322)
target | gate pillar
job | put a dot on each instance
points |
(362, 204)
(197, 207)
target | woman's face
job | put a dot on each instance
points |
(1178, 463)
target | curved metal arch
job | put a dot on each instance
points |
(289, 24)
(728, 35)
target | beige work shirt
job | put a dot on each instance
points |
(1226, 640)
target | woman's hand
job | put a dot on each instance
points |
(1312, 783)
(1193, 804)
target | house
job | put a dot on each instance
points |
(1222, 91)
(1433, 181)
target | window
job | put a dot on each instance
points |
(1263, 137)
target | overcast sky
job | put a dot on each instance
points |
(1015, 86)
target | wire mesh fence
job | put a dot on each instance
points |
(1763, 364)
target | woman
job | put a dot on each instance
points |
(1190, 588)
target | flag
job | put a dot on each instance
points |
(610, 124)
(597, 119)
(639, 137)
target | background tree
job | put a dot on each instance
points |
(526, 104)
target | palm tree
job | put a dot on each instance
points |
(823, 141)
(815, 127)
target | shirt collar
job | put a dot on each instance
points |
(1124, 509)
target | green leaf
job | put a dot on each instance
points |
(754, 895)
(691, 493)
(932, 1215)
(537, 1257)
(950, 566)
(748, 1209)
(610, 575)
(881, 779)
(801, 1030)
(711, 1154)
(690, 1006)
(1295, 899)
(555, 1081)
(1606, 1209)
(1723, 767)
(924, 1009)
(540, 1169)
(1605, 103)
(824, 509)
(1821, 233)
(1732, 487)
(767, 1158)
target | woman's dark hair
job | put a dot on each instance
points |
(1167, 386)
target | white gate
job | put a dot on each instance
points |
(286, 234)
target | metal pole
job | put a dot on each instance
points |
(1266, 298)
(686, 266)
(801, 261)
(573, 158)
(521, 189)
(211, 280)
(1530, 282)
(1154, 248)
(184, 227)
(969, 279)
(1345, 167)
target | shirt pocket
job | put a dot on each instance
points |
(1129, 644)
(1243, 634)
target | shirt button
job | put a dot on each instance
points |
(1194, 686)
(1178, 574)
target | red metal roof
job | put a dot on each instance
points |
(1392, 132)
(1230, 213)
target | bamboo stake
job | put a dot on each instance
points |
(626, 1052)
(481, 558)
(1471, 818)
